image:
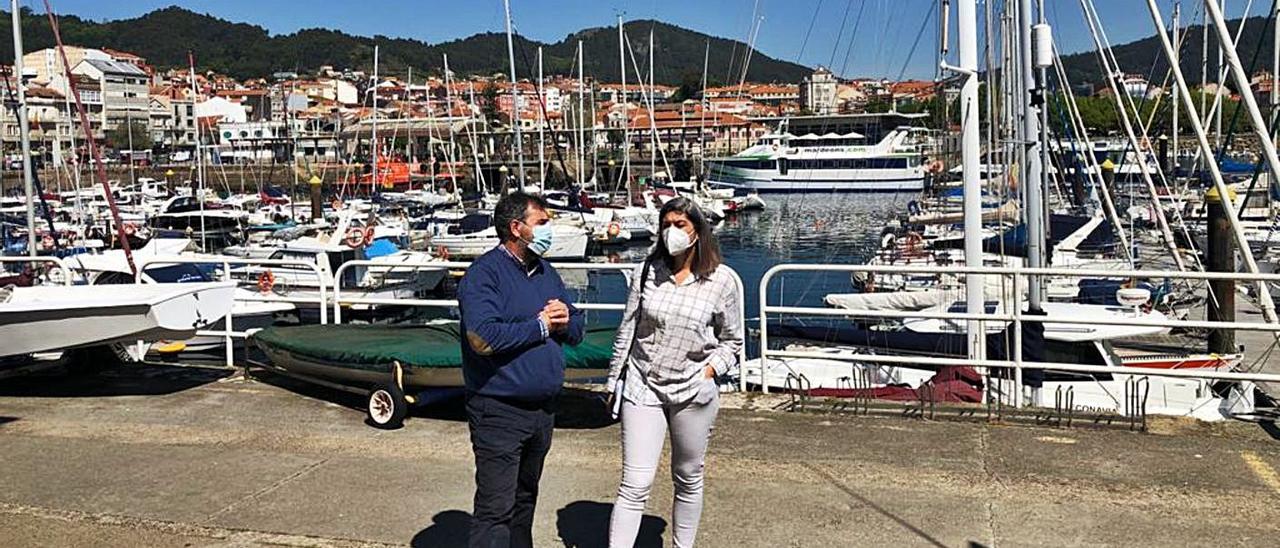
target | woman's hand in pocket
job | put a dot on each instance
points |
(709, 372)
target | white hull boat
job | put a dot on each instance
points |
(49, 318)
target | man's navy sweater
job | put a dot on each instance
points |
(504, 354)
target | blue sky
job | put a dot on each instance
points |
(880, 47)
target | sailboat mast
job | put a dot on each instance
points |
(448, 115)
(967, 24)
(199, 191)
(515, 98)
(1275, 69)
(626, 115)
(653, 154)
(28, 182)
(542, 121)
(1034, 181)
(582, 150)
(1176, 32)
(373, 182)
(702, 116)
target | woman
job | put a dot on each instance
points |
(680, 330)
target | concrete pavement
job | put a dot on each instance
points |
(170, 456)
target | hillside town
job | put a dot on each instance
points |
(151, 115)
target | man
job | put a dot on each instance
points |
(516, 315)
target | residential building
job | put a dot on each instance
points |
(818, 92)
(122, 90)
(47, 63)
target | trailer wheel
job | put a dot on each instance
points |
(387, 407)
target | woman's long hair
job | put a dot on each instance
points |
(706, 249)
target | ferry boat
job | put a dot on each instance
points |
(783, 162)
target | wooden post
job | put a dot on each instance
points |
(317, 205)
(1222, 293)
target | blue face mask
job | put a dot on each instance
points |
(541, 242)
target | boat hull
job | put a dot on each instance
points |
(44, 319)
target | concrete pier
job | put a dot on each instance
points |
(158, 455)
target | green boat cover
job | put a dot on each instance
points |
(430, 346)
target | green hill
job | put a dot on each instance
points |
(1146, 56)
(243, 50)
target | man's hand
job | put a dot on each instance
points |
(555, 315)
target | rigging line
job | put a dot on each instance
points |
(542, 106)
(1235, 115)
(919, 34)
(805, 43)
(844, 20)
(733, 57)
(857, 22)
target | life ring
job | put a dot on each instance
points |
(935, 166)
(130, 229)
(614, 230)
(368, 235)
(355, 237)
(266, 282)
(442, 252)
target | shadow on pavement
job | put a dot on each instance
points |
(144, 379)
(448, 529)
(578, 409)
(585, 524)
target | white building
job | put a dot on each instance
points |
(818, 92)
(47, 63)
(227, 112)
(123, 90)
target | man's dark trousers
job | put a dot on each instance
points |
(510, 440)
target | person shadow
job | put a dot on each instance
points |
(580, 524)
(448, 529)
(585, 524)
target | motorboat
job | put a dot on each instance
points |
(52, 318)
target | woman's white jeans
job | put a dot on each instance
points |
(643, 430)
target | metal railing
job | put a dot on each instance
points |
(1016, 317)
(625, 268)
(57, 261)
(228, 333)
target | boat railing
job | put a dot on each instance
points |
(625, 269)
(1015, 317)
(56, 261)
(229, 333)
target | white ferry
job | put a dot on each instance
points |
(783, 162)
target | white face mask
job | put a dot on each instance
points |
(677, 241)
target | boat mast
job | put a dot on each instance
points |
(515, 98)
(1177, 54)
(542, 120)
(95, 154)
(702, 116)
(582, 150)
(28, 182)
(967, 24)
(653, 154)
(448, 115)
(199, 191)
(626, 114)
(1034, 181)
(481, 187)
(1275, 69)
(373, 147)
